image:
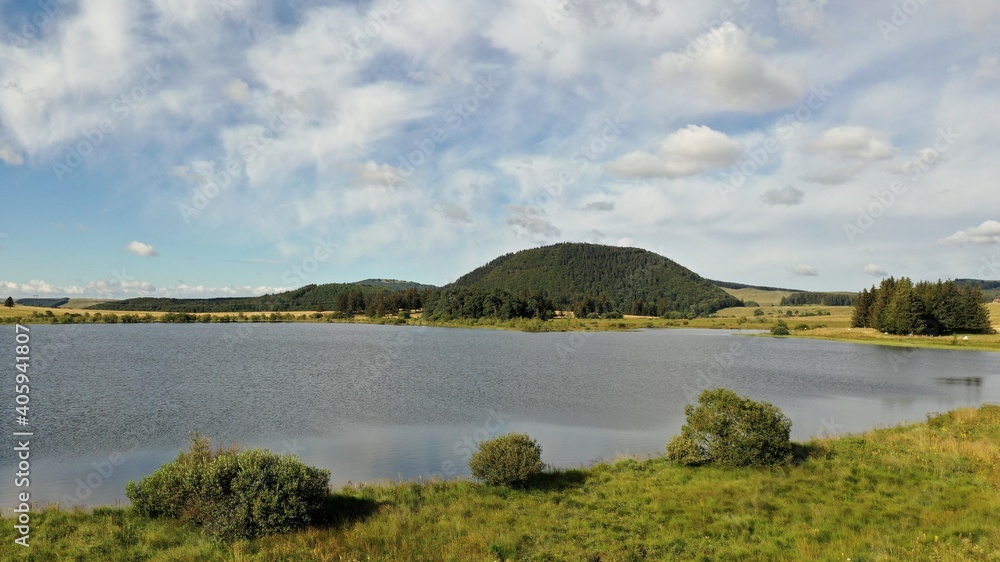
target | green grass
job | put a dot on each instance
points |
(928, 491)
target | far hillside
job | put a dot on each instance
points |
(394, 284)
(592, 278)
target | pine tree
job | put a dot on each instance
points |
(9, 303)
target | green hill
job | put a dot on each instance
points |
(394, 284)
(346, 297)
(595, 278)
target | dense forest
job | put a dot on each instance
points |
(898, 306)
(824, 299)
(591, 278)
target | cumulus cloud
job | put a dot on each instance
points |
(10, 155)
(686, 152)
(603, 206)
(805, 271)
(723, 64)
(534, 225)
(805, 16)
(104, 288)
(373, 173)
(986, 233)
(787, 196)
(857, 143)
(875, 271)
(141, 249)
(988, 68)
(455, 212)
(237, 91)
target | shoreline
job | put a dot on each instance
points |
(809, 322)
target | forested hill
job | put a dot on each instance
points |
(394, 284)
(347, 297)
(595, 278)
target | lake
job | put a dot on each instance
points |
(111, 403)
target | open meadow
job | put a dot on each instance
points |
(928, 491)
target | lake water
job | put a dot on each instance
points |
(111, 403)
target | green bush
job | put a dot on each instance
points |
(509, 460)
(780, 329)
(614, 315)
(732, 430)
(232, 493)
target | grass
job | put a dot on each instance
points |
(760, 296)
(821, 322)
(927, 491)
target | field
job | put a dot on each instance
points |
(762, 297)
(928, 491)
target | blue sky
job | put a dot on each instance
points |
(234, 147)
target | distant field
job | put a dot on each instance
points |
(762, 297)
(84, 303)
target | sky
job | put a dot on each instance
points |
(196, 148)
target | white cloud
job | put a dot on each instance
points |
(10, 155)
(988, 69)
(805, 271)
(237, 91)
(686, 152)
(805, 16)
(787, 196)
(851, 142)
(875, 270)
(141, 249)
(626, 243)
(129, 289)
(723, 64)
(986, 233)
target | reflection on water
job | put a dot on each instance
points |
(375, 402)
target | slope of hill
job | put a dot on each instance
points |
(394, 284)
(43, 302)
(628, 280)
(310, 297)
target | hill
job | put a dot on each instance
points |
(597, 278)
(331, 296)
(45, 302)
(394, 284)
(990, 289)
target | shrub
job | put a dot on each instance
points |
(231, 493)
(758, 312)
(613, 315)
(732, 430)
(802, 326)
(780, 329)
(509, 460)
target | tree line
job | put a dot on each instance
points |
(898, 306)
(823, 299)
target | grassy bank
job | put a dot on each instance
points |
(927, 491)
(820, 322)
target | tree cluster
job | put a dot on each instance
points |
(898, 306)
(821, 299)
(449, 304)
